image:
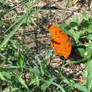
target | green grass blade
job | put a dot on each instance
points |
(68, 2)
(84, 16)
(1, 55)
(22, 82)
(1, 76)
(20, 22)
(12, 25)
(20, 59)
(89, 77)
(39, 62)
(59, 86)
(46, 84)
(81, 87)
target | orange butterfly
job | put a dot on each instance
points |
(60, 41)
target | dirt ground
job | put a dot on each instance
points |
(52, 12)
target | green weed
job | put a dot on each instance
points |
(22, 71)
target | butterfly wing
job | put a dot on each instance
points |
(62, 49)
(60, 41)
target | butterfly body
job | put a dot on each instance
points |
(60, 41)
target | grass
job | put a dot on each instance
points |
(22, 71)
